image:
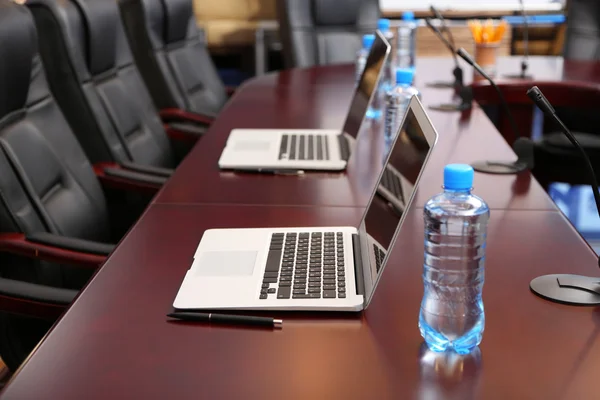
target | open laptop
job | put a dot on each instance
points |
(308, 149)
(304, 268)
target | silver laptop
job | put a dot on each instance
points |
(307, 149)
(319, 268)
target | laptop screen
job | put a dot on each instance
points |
(395, 189)
(366, 86)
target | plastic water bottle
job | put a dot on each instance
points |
(361, 56)
(386, 81)
(406, 41)
(452, 316)
(396, 103)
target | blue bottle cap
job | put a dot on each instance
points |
(368, 41)
(404, 76)
(458, 177)
(408, 16)
(383, 24)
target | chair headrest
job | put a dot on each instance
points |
(177, 19)
(102, 21)
(18, 44)
(331, 12)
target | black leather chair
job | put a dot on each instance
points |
(321, 32)
(55, 227)
(93, 76)
(172, 56)
(582, 40)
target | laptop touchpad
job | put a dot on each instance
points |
(226, 263)
(252, 145)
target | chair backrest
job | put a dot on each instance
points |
(582, 40)
(46, 182)
(576, 104)
(321, 32)
(93, 76)
(172, 56)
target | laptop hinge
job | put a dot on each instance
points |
(344, 147)
(358, 265)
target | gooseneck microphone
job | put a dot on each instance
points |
(522, 146)
(464, 93)
(525, 60)
(457, 71)
(567, 288)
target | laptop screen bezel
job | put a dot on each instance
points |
(378, 38)
(431, 136)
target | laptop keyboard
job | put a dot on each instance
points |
(304, 147)
(305, 266)
(379, 256)
(392, 183)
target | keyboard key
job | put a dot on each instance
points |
(284, 292)
(314, 290)
(272, 290)
(342, 290)
(311, 145)
(285, 284)
(271, 274)
(270, 280)
(263, 296)
(326, 148)
(299, 291)
(328, 287)
(329, 294)
(301, 147)
(319, 147)
(265, 285)
(273, 260)
(342, 295)
(264, 291)
(307, 296)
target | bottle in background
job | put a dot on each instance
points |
(375, 110)
(452, 315)
(406, 41)
(396, 103)
(361, 56)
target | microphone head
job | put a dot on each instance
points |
(462, 53)
(536, 95)
(524, 147)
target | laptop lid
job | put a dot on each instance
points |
(367, 85)
(382, 221)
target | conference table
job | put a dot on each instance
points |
(115, 341)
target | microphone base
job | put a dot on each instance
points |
(519, 76)
(567, 289)
(499, 167)
(440, 85)
(451, 107)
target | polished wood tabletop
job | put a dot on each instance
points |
(115, 341)
(319, 98)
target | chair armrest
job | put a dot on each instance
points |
(114, 176)
(147, 169)
(177, 114)
(230, 90)
(17, 243)
(69, 243)
(184, 131)
(33, 300)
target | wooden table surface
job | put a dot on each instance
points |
(114, 341)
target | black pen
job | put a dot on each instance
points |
(227, 319)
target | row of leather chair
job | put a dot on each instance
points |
(94, 96)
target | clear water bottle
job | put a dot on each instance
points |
(361, 56)
(396, 103)
(406, 41)
(375, 109)
(452, 316)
